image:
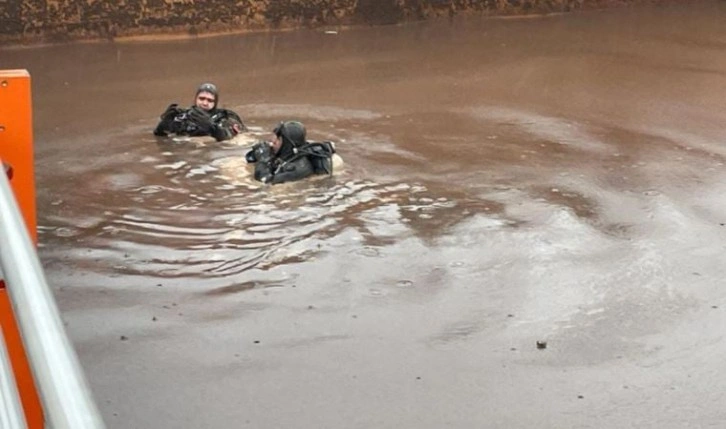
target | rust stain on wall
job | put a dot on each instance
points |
(28, 21)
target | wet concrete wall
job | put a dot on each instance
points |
(61, 20)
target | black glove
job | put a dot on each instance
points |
(201, 119)
(171, 112)
(250, 156)
(219, 133)
(264, 152)
(167, 119)
(261, 152)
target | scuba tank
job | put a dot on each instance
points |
(320, 155)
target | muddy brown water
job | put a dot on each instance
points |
(556, 179)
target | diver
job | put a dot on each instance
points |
(290, 156)
(204, 118)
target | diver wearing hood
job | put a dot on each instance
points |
(204, 118)
(290, 156)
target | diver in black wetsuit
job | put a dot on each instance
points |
(289, 156)
(204, 118)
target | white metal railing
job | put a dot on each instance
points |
(11, 411)
(65, 395)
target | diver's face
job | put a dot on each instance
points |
(276, 143)
(205, 100)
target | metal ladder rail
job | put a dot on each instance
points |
(65, 395)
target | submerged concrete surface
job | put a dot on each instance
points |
(62, 20)
(506, 182)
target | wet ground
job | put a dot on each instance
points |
(557, 179)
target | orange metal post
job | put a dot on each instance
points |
(16, 149)
(16, 140)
